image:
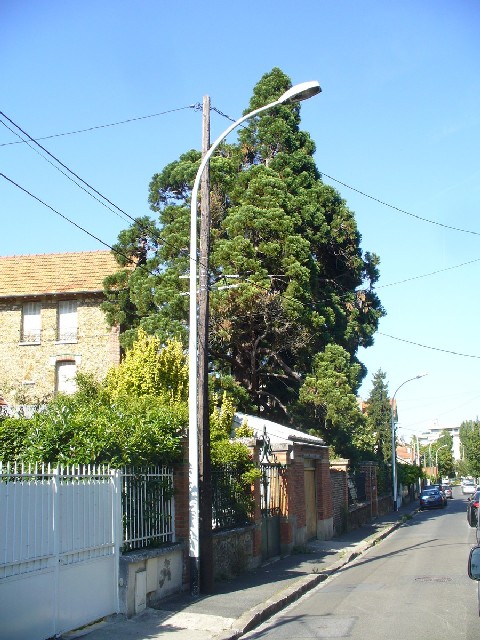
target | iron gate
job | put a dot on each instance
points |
(270, 499)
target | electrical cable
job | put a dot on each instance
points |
(64, 173)
(65, 166)
(151, 231)
(55, 211)
(426, 275)
(408, 213)
(105, 244)
(424, 346)
(385, 204)
(194, 260)
(196, 107)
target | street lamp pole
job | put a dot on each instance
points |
(394, 452)
(297, 93)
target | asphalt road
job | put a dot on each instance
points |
(414, 584)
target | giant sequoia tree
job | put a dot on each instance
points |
(288, 239)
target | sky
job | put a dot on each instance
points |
(396, 128)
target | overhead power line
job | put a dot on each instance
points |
(424, 346)
(149, 231)
(55, 211)
(64, 166)
(198, 106)
(104, 126)
(427, 275)
(385, 204)
(408, 213)
(105, 244)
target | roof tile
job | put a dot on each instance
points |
(53, 273)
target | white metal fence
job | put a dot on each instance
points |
(60, 539)
(59, 546)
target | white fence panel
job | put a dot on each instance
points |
(60, 532)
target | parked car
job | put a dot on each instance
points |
(468, 487)
(447, 490)
(432, 498)
(474, 567)
(438, 487)
(472, 509)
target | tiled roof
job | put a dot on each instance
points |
(53, 273)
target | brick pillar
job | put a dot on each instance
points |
(324, 497)
(342, 466)
(293, 517)
(287, 515)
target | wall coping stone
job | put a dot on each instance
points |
(224, 533)
(139, 555)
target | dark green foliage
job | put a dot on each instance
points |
(303, 280)
(329, 405)
(442, 450)
(408, 474)
(14, 434)
(379, 418)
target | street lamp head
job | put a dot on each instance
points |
(421, 375)
(300, 92)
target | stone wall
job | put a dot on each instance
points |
(148, 576)
(27, 370)
(233, 552)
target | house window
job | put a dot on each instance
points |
(67, 325)
(31, 322)
(65, 372)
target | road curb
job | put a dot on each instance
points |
(251, 619)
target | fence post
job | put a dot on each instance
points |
(56, 541)
(117, 527)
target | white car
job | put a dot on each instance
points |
(469, 487)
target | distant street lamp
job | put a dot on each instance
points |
(297, 93)
(394, 452)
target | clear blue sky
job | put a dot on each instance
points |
(398, 120)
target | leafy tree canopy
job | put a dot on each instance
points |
(328, 395)
(288, 239)
(470, 442)
(150, 369)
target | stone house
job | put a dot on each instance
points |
(51, 324)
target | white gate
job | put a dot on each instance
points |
(60, 532)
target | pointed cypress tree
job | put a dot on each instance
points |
(379, 417)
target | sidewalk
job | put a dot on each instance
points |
(239, 605)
